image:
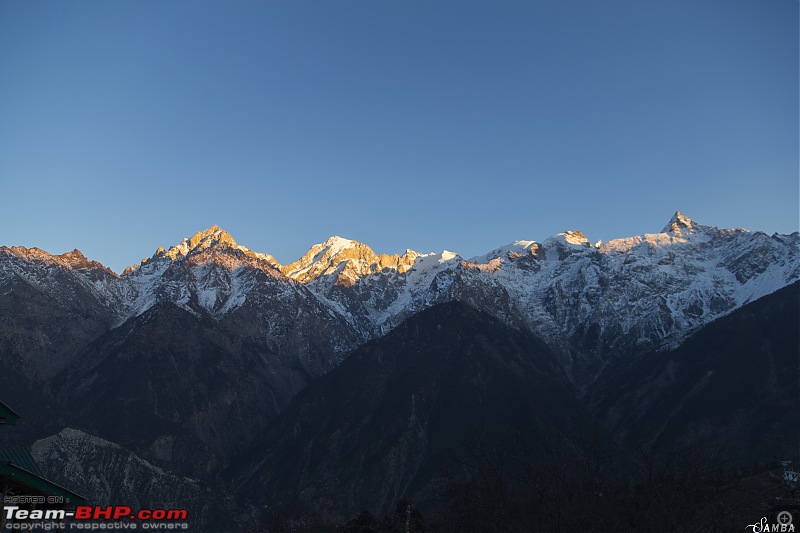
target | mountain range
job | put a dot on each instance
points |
(351, 371)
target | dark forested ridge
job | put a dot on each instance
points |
(734, 387)
(476, 423)
(391, 420)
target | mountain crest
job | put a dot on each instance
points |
(348, 260)
(679, 222)
(336, 244)
(568, 239)
(203, 240)
(73, 260)
(210, 237)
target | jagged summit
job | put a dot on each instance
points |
(326, 257)
(76, 260)
(216, 235)
(342, 261)
(214, 240)
(678, 222)
(203, 240)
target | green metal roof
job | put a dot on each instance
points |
(20, 457)
(7, 415)
(25, 482)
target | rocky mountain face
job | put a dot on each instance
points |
(51, 306)
(178, 389)
(210, 275)
(343, 262)
(112, 474)
(178, 351)
(591, 302)
(55, 305)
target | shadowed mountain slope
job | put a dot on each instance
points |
(179, 389)
(392, 417)
(733, 387)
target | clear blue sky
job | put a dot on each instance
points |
(464, 125)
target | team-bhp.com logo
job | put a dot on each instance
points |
(116, 512)
(87, 517)
(784, 524)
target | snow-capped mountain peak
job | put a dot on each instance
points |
(336, 244)
(345, 261)
(214, 240)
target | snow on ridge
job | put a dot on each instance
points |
(426, 262)
(518, 247)
(570, 238)
(336, 244)
(657, 287)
